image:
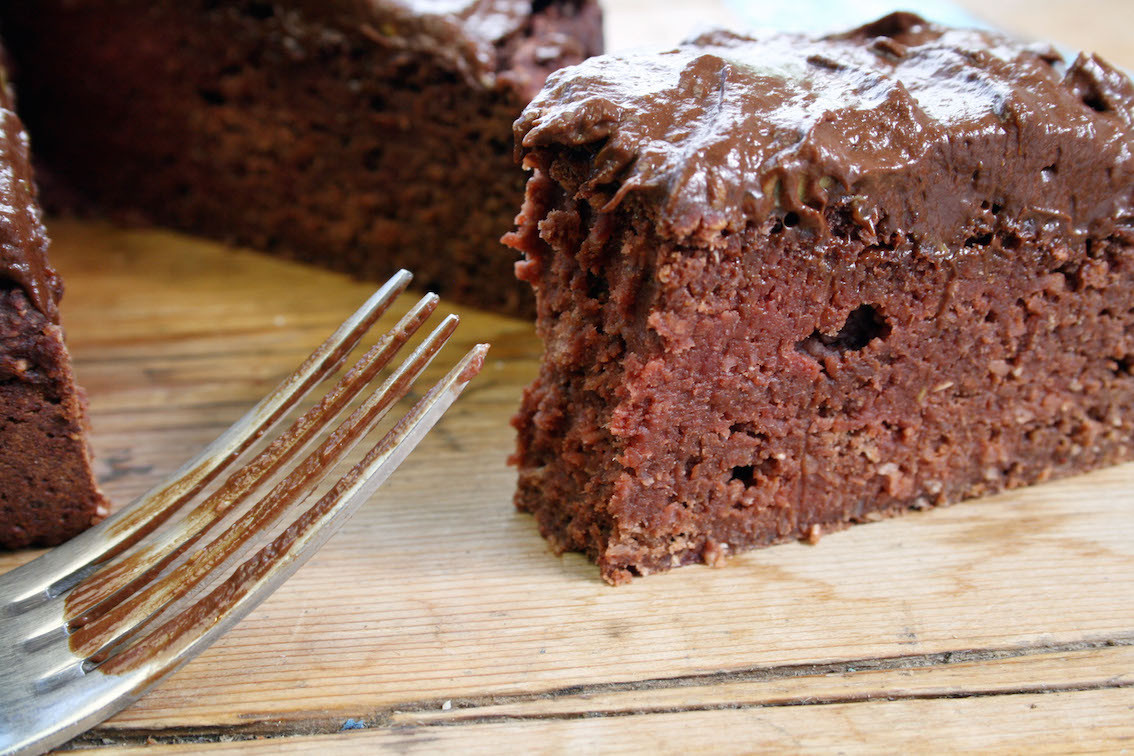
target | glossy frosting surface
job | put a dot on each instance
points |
(23, 241)
(908, 127)
(463, 32)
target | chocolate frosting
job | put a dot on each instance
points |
(466, 34)
(906, 127)
(23, 241)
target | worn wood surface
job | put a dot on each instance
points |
(438, 620)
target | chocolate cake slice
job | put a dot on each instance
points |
(363, 135)
(789, 284)
(47, 491)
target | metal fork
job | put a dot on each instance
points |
(88, 627)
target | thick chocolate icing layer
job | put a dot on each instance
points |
(911, 129)
(23, 241)
(468, 34)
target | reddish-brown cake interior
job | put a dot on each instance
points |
(781, 395)
(728, 365)
(47, 492)
(47, 489)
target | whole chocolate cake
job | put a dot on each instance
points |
(788, 284)
(47, 491)
(364, 135)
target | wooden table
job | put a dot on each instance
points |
(438, 620)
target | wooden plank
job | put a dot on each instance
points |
(1081, 722)
(921, 677)
(439, 590)
(513, 619)
(933, 676)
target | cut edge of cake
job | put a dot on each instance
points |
(746, 345)
(48, 491)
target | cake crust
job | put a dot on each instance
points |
(771, 310)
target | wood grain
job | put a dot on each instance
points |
(438, 591)
(438, 620)
(1096, 721)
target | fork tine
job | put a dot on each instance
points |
(137, 610)
(101, 591)
(186, 635)
(71, 698)
(59, 568)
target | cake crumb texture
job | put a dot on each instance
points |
(47, 491)
(786, 285)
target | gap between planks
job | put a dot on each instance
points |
(1085, 722)
(964, 673)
